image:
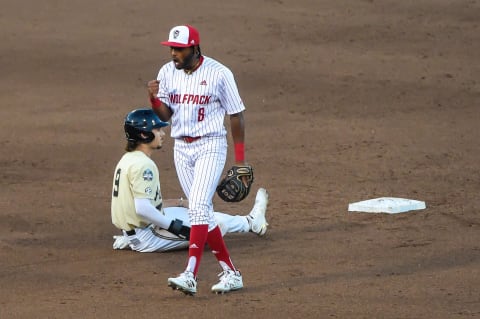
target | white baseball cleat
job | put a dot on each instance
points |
(185, 282)
(230, 280)
(256, 218)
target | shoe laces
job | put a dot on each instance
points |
(226, 274)
(188, 275)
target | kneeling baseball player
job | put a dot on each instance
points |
(137, 207)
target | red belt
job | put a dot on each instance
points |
(190, 139)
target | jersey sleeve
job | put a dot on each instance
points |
(144, 181)
(229, 96)
(163, 93)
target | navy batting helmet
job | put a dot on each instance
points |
(140, 121)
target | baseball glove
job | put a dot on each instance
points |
(235, 186)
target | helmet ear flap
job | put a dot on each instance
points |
(135, 135)
(147, 137)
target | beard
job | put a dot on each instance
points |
(186, 63)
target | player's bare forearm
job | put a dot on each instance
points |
(237, 125)
(163, 112)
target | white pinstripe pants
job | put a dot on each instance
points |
(199, 167)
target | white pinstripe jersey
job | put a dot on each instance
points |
(199, 100)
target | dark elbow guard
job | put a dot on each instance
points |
(176, 227)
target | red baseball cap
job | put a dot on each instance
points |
(182, 36)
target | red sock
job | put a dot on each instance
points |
(217, 245)
(198, 237)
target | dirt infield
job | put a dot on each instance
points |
(346, 101)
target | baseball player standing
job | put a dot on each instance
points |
(137, 206)
(195, 92)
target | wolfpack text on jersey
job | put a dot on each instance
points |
(199, 100)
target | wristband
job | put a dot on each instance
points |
(240, 152)
(156, 103)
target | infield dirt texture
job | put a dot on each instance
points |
(346, 101)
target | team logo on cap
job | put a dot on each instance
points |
(175, 34)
